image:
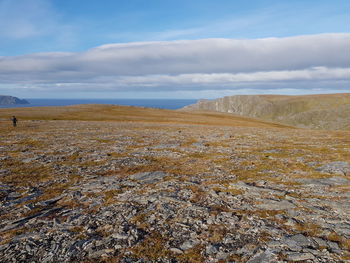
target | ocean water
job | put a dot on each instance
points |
(170, 104)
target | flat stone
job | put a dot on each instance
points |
(341, 168)
(314, 252)
(98, 254)
(28, 160)
(302, 240)
(292, 245)
(166, 146)
(297, 242)
(326, 181)
(300, 256)
(120, 236)
(221, 255)
(274, 244)
(188, 244)
(320, 242)
(148, 177)
(275, 205)
(176, 250)
(333, 246)
(264, 256)
(198, 144)
(343, 231)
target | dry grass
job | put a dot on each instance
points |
(151, 248)
(192, 255)
(228, 190)
(9, 234)
(23, 175)
(309, 229)
(134, 114)
(109, 196)
(346, 244)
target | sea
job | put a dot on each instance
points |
(171, 104)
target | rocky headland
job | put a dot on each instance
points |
(125, 184)
(9, 100)
(324, 111)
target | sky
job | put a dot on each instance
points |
(173, 49)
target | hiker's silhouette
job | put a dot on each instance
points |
(14, 121)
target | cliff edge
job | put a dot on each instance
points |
(324, 111)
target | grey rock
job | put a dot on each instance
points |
(148, 177)
(176, 250)
(272, 151)
(166, 146)
(326, 181)
(314, 252)
(266, 256)
(210, 249)
(333, 246)
(302, 240)
(321, 243)
(276, 205)
(198, 144)
(188, 244)
(29, 160)
(292, 245)
(300, 256)
(342, 168)
(342, 230)
(221, 255)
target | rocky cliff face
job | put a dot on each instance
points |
(9, 100)
(328, 111)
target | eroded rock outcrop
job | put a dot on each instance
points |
(328, 111)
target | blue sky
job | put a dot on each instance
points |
(79, 29)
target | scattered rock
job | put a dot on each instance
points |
(147, 193)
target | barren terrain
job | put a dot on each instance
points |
(124, 184)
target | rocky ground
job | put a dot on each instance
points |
(74, 191)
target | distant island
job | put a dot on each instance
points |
(10, 100)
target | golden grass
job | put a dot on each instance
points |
(346, 244)
(26, 175)
(151, 248)
(9, 234)
(192, 255)
(310, 229)
(109, 196)
(232, 191)
(131, 114)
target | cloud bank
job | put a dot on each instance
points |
(206, 64)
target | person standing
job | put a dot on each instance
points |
(14, 121)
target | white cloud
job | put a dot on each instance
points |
(206, 64)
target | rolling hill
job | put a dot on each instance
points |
(325, 111)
